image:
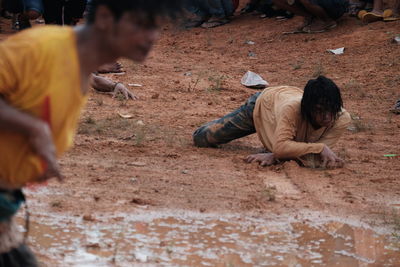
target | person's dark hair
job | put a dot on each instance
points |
(150, 8)
(321, 92)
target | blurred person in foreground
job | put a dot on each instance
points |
(44, 79)
(291, 124)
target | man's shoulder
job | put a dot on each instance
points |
(344, 118)
(282, 95)
(40, 35)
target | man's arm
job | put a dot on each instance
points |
(37, 132)
(104, 85)
(284, 146)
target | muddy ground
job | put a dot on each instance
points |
(192, 77)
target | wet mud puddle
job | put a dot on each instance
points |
(178, 238)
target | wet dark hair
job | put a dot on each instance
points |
(321, 92)
(150, 8)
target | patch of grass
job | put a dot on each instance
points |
(56, 204)
(393, 221)
(318, 70)
(217, 82)
(297, 65)
(90, 120)
(140, 135)
(360, 126)
(193, 83)
(270, 193)
(99, 102)
(115, 127)
(354, 88)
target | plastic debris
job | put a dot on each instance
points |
(250, 43)
(396, 39)
(391, 155)
(338, 51)
(253, 80)
(135, 85)
(125, 116)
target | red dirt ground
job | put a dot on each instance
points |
(118, 164)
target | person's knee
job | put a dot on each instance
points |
(200, 138)
(32, 14)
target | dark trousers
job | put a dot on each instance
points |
(235, 125)
(21, 256)
(63, 12)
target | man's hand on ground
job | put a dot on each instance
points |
(329, 159)
(264, 159)
(120, 88)
(42, 143)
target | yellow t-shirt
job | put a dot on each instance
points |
(39, 75)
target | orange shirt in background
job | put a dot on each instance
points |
(283, 131)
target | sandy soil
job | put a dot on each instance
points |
(119, 164)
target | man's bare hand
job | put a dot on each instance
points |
(264, 159)
(120, 88)
(329, 159)
(42, 143)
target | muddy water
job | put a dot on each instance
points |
(177, 238)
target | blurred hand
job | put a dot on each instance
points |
(42, 143)
(120, 88)
(264, 159)
(329, 159)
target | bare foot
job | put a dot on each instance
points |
(111, 68)
(307, 21)
(318, 25)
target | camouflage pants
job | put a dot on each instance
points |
(235, 125)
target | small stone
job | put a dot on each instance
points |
(202, 210)
(155, 96)
(209, 103)
(252, 54)
(133, 180)
(140, 123)
(232, 98)
(93, 245)
(185, 171)
(88, 218)
(137, 164)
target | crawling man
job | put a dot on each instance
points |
(291, 124)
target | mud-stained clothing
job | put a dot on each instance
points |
(275, 114)
(282, 129)
(235, 125)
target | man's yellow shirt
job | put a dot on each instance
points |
(39, 75)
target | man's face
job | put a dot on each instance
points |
(135, 37)
(132, 36)
(322, 117)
